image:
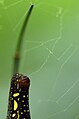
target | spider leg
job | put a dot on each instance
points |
(19, 44)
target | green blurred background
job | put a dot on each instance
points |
(50, 55)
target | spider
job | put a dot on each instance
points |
(18, 102)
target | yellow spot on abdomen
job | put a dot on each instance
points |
(28, 110)
(15, 94)
(13, 115)
(15, 105)
(18, 115)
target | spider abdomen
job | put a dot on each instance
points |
(18, 105)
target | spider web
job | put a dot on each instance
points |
(49, 57)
